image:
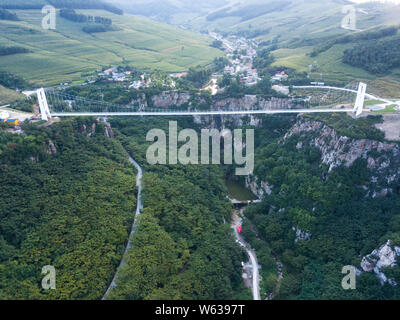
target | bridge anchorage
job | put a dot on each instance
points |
(58, 104)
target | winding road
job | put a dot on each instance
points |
(139, 208)
(253, 258)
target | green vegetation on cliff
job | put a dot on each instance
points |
(343, 223)
(183, 247)
(67, 200)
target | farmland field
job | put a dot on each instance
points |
(329, 63)
(331, 67)
(66, 53)
(7, 95)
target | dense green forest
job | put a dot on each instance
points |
(184, 247)
(199, 76)
(68, 199)
(25, 105)
(376, 57)
(6, 51)
(370, 35)
(71, 15)
(95, 28)
(263, 61)
(12, 81)
(344, 224)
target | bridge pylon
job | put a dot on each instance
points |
(359, 105)
(43, 105)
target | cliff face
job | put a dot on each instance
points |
(259, 188)
(382, 158)
(341, 150)
(170, 99)
(166, 99)
(254, 101)
(176, 99)
(379, 259)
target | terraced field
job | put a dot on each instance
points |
(299, 27)
(329, 63)
(66, 53)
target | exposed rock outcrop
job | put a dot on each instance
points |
(166, 99)
(260, 189)
(301, 235)
(384, 257)
(51, 148)
(336, 150)
(254, 101)
(108, 130)
(172, 98)
(169, 99)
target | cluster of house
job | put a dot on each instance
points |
(114, 75)
(250, 76)
(240, 53)
(279, 77)
(142, 83)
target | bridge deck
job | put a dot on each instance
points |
(195, 113)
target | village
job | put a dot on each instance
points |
(241, 53)
(138, 82)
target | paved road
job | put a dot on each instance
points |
(253, 258)
(139, 208)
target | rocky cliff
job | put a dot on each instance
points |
(382, 158)
(259, 188)
(174, 98)
(253, 101)
(166, 99)
(171, 99)
(379, 259)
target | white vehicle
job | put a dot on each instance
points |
(4, 115)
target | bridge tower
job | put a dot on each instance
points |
(358, 107)
(43, 105)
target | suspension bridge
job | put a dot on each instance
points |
(312, 99)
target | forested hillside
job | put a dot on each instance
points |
(67, 200)
(379, 57)
(318, 220)
(184, 247)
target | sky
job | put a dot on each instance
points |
(361, 1)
